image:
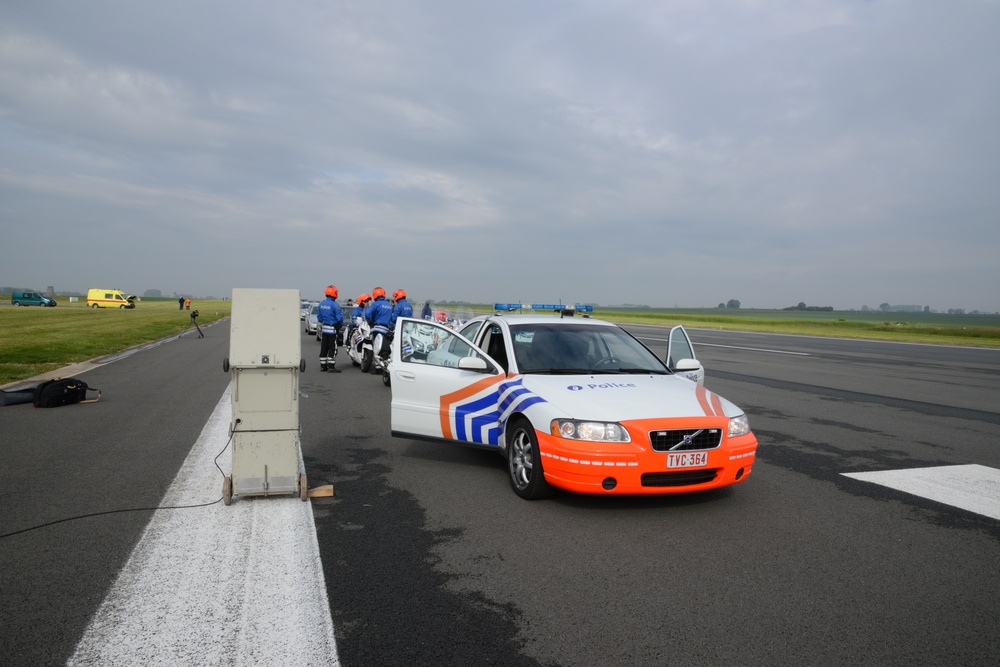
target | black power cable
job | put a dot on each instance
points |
(134, 509)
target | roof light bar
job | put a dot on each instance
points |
(510, 307)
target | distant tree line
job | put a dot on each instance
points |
(802, 306)
(8, 290)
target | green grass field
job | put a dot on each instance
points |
(38, 340)
(941, 329)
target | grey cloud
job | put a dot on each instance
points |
(656, 152)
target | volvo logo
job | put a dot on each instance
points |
(687, 440)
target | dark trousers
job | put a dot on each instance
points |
(328, 348)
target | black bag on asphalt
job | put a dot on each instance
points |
(66, 391)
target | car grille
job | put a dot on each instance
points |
(685, 439)
(683, 478)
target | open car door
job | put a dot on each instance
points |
(443, 386)
(681, 358)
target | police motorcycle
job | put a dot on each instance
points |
(458, 318)
(359, 347)
(375, 361)
(453, 319)
(361, 350)
(386, 365)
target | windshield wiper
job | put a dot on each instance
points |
(559, 371)
(632, 371)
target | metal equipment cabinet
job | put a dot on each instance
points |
(265, 359)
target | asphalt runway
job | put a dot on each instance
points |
(119, 453)
(429, 558)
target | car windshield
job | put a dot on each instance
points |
(581, 349)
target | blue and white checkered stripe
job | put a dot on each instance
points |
(480, 419)
(515, 397)
(477, 420)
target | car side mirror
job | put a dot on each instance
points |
(473, 364)
(687, 365)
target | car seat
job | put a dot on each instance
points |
(498, 351)
(545, 351)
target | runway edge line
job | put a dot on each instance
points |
(217, 585)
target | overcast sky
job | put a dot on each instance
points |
(669, 153)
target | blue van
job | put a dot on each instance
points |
(31, 299)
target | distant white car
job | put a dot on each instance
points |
(312, 321)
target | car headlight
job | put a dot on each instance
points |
(573, 429)
(738, 426)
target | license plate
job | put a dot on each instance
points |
(687, 459)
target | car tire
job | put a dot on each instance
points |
(366, 360)
(17, 303)
(524, 462)
(94, 305)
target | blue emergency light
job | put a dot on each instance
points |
(558, 307)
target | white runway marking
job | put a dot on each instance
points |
(755, 349)
(733, 347)
(974, 488)
(237, 585)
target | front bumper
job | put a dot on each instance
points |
(635, 469)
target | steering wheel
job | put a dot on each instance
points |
(606, 361)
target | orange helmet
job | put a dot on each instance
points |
(378, 292)
(399, 294)
(364, 297)
(331, 291)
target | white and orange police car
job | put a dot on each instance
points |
(576, 404)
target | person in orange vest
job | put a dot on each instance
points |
(187, 303)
